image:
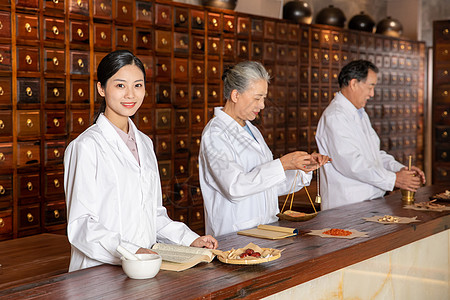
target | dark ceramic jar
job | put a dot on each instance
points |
(297, 11)
(362, 22)
(226, 4)
(331, 16)
(389, 26)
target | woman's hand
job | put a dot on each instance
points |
(205, 241)
(145, 251)
(296, 160)
(319, 159)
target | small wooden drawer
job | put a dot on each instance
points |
(55, 91)
(181, 119)
(243, 49)
(442, 134)
(5, 91)
(6, 156)
(214, 23)
(124, 11)
(124, 37)
(102, 9)
(147, 61)
(214, 73)
(181, 19)
(80, 7)
(55, 213)
(163, 68)
(28, 122)
(79, 91)
(79, 62)
(292, 116)
(280, 76)
(55, 122)
(143, 120)
(197, 72)
(6, 123)
(441, 93)
(181, 69)
(282, 31)
(243, 26)
(144, 39)
(79, 121)
(198, 19)
(293, 32)
(28, 59)
(229, 24)
(28, 153)
(79, 32)
(165, 169)
(54, 30)
(54, 61)
(181, 143)
(54, 183)
(143, 12)
(29, 186)
(196, 194)
(5, 24)
(27, 27)
(257, 50)
(257, 28)
(163, 41)
(163, 15)
(441, 114)
(214, 94)
(269, 30)
(181, 43)
(229, 49)
(269, 51)
(181, 97)
(29, 216)
(163, 118)
(181, 190)
(268, 116)
(163, 146)
(197, 118)
(198, 44)
(442, 153)
(57, 5)
(6, 221)
(442, 53)
(102, 36)
(181, 214)
(163, 93)
(292, 138)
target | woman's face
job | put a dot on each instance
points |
(124, 93)
(251, 101)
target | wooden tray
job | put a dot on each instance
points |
(249, 261)
(306, 217)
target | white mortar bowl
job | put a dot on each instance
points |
(147, 267)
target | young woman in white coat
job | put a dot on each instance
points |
(239, 178)
(111, 179)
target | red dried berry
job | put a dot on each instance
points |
(243, 255)
(256, 254)
(249, 251)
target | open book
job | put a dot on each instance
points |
(270, 232)
(179, 258)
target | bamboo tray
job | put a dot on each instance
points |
(306, 217)
(249, 261)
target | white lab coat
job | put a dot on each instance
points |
(239, 178)
(113, 200)
(359, 170)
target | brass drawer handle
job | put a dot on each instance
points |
(244, 26)
(55, 1)
(182, 69)
(145, 119)
(181, 218)
(29, 154)
(214, 45)
(2, 223)
(2, 190)
(29, 91)
(181, 191)
(445, 93)
(80, 92)
(56, 183)
(198, 118)
(56, 92)
(164, 119)
(28, 27)
(444, 114)
(80, 121)
(124, 10)
(198, 191)
(198, 215)
(124, 38)
(56, 122)
(198, 20)
(444, 155)
(182, 18)
(182, 144)
(197, 142)
(165, 93)
(28, 60)
(164, 15)
(257, 50)
(56, 213)
(80, 3)
(80, 63)
(55, 61)
(29, 186)
(198, 93)
(181, 171)
(164, 67)
(144, 12)
(215, 22)
(181, 42)
(294, 114)
(102, 6)
(444, 173)
(1, 25)
(56, 153)
(164, 197)
(164, 145)
(445, 134)
(103, 35)
(164, 41)
(214, 94)
(164, 171)
(2, 156)
(182, 94)
(144, 39)
(55, 30)
(30, 123)
(2, 124)
(244, 49)
(182, 119)
(230, 24)
(30, 217)
(199, 45)
(230, 47)
(80, 32)
(1, 58)
(445, 31)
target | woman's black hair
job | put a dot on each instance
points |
(110, 65)
(357, 69)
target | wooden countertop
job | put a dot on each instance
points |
(305, 257)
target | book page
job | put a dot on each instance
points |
(181, 254)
